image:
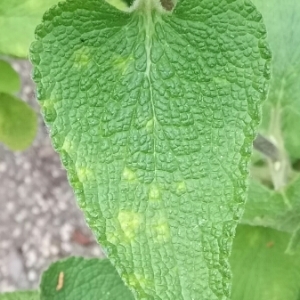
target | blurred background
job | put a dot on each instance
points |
(39, 218)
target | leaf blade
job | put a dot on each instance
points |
(20, 295)
(77, 278)
(261, 268)
(142, 147)
(18, 122)
(9, 78)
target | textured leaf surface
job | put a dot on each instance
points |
(78, 278)
(153, 114)
(9, 78)
(26, 295)
(261, 268)
(18, 19)
(18, 122)
(282, 110)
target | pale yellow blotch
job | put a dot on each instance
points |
(68, 145)
(138, 280)
(154, 193)
(130, 223)
(122, 63)
(181, 187)
(81, 57)
(128, 174)
(47, 104)
(150, 125)
(220, 80)
(161, 231)
(84, 174)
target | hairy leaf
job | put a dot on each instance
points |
(78, 278)
(153, 113)
(21, 295)
(261, 268)
(18, 122)
(9, 78)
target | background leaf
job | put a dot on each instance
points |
(83, 279)
(154, 118)
(18, 122)
(261, 268)
(9, 78)
(18, 20)
(21, 295)
(275, 209)
(281, 114)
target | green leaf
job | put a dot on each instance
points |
(21, 295)
(281, 114)
(78, 278)
(17, 22)
(9, 78)
(275, 209)
(153, 114)
(261, 268)
(18, 122)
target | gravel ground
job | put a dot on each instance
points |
(39, 219)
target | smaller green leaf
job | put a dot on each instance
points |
(18, 122)
(21, 295)
(281, 110)
(77, 278)
(18, 20)
(275, 209)
(9, 78)
(261, 268)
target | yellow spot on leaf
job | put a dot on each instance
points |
(181, 187)
(149, 125)
(60, 281)
(129, 174)
(130, 223)
(160, 230)
(47, 104)
(67, 145)
(154, 193)
(138, 280)
(84, 174)
(81, 57)
(122, 63)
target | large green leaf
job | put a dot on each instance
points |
(24, 295)
(153, 114)
(18, 122)
(77, 278)
(281, 114)
(18, 18)
(9, 78)
(261, 268)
